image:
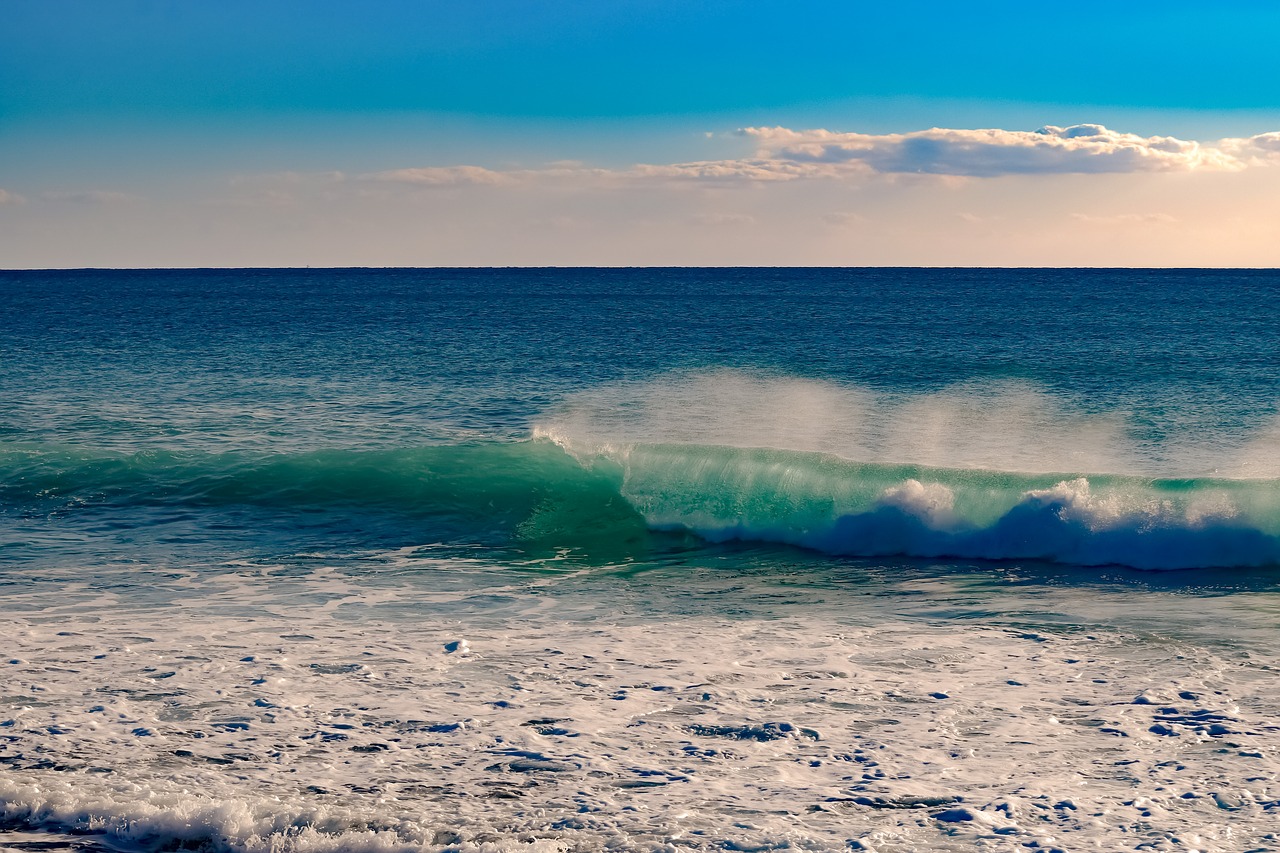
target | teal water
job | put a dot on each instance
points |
(536, 409)
(343, 455)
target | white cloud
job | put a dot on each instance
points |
(785, 155)
(1269, 142)
(943, 157)
(7, 197)
(1084, 148)
(1254, 150)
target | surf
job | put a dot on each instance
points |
(996, 471)
(846, 508)
(982, 470)
(536, 491)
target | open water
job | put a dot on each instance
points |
(654, 559)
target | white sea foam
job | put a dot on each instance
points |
(932, 504)
(805, 730)
(1067, 522)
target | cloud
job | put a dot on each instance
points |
(7, 197)
(267, 198)
(950, 156)
(443, 176)
(1126, 219)
(558, 223)
(843, 219)
(288, 178)
(573, 173)
(88, 196)
(718, 219)
(1079, 149)
(1254, 150)
(729, 171)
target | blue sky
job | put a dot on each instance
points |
(173, 111)
(575, 59)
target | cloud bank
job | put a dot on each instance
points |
(1079, 195)
(1254, 150)
(1079, 149)
(783, 155)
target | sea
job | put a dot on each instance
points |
(639, 560)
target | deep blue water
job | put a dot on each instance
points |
(397, 352)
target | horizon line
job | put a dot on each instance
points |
(478, 267)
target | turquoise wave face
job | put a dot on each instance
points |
(861, 509)
(535, 495)
(500, 476)
(528, 494)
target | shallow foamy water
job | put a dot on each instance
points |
(579, 711)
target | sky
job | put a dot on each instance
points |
(142, 133)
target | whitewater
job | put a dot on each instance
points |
(557, 560)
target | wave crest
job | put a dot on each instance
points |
(840, 507)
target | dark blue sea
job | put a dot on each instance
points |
(639, 559)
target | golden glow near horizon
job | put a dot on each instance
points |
(1075, 196)
(296, 132)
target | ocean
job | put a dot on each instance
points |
(639, 559)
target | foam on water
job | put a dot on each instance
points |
(304, 732)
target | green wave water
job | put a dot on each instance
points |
(534, 491)
(868, 509)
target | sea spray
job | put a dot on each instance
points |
(997, 471)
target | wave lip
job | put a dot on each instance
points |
(1065, 524)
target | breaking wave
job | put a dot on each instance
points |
(998, 471)
(1002, 472)
(856, 509)
(536, 490)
